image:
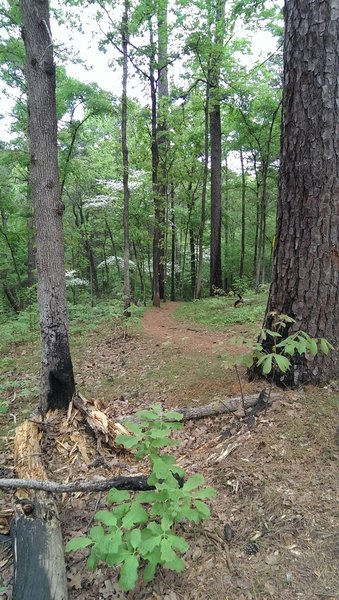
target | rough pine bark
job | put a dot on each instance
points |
(57, 381)
(305, 281)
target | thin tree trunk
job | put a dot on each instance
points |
(57, 380)
(243, 216)
(114, 249)
(162, 130)
(172, 244)
(157, 236)
(125, 164)
(203, 199)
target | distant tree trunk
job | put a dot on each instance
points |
(162, 131)
(305, 281)
(172, 244)
(243, 216)
(157, 236)
(215, 137)
(114, 249)
(198, 285)
(57, 380)
(193, 267)
(125, 164)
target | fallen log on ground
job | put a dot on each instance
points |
(136, 484)
(219, 407)
(38, 549)
(101, 426)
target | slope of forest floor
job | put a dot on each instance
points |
(277, 485)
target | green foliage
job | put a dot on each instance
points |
(219, 313)
(283, 348)
(140, 532)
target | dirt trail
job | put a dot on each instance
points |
(160, 324)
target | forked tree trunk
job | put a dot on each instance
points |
(57, 381)
(306, 263)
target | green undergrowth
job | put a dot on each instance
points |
(220, 313)
(82, 318)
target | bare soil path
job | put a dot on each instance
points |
(160, 324)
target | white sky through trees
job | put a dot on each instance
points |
(95, 66)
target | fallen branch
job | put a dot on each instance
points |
(219, 407)
(136, 483)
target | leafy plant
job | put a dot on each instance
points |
(140, 532)
(283, 350)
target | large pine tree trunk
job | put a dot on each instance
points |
(57, 381)
(306, 263)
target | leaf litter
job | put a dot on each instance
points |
(277, 485)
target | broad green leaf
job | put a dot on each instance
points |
(106, 517)
(167, 552)
(204, 493)
(136, 514)
(248, 360)
(148, 546)
(92, 562)
(166, 522)
(129, 573)
(203, 509)
(267, 365)
(135, 538)
(273, 334)
(77, 543)
(177, 565)
(96, 533)
(179, 543)
(147, 497)
(325, 346)
(313, 347)
(128, 441)
(115, 496)
(174, 416)
(282, 362)
(134, 428)
(148, 415)
(193, 482)
(150, 568)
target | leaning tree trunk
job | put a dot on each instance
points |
(57, 381)
(306, 263)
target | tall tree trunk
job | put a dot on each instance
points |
(57, 380)
(125, 165)
(243, 219)
(198, 286)
(193, 266)
(162, 134)
(305, 281)
(215, 137)
(157, 236)
(172, 244)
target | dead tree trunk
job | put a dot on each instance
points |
(38, 549)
